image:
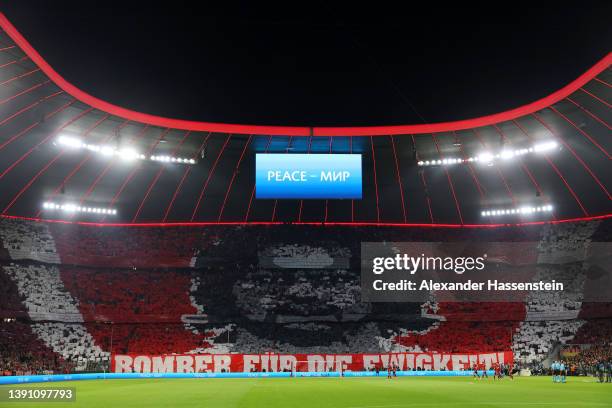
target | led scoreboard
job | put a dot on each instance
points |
(308, 176)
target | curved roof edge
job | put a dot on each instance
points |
(320, 224)
(154, 120)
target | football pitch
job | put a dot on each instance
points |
(332, 392)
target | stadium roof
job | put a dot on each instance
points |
(413, 174)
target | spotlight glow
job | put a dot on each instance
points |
(542, 147)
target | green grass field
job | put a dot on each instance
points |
(579, 392)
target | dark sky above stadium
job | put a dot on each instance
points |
(316, 63)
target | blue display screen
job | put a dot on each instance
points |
(308, 176)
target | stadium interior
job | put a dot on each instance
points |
(133, 234)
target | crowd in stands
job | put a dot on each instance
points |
(175, 290)
(461, 336)
(552, 319)
(73, 343)
(4, 253)
(304, 251)
(595, 331)
(564, 243)
(27, 240)
(588, 360)
(299, 293)
(121, 247)
(535, 339)
(479, 311)
(305, 256)
(595, 310)
(10, 300)
(23, 353)
(137, 296)
(147, 338)
(145, 308)
(43, 292)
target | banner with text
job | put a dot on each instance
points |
(207, 363)
(308, 176)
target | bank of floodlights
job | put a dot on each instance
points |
(124, 154)
(487, 158)
(526, 210)
(77, 144)
(75, 208)
(171, 159)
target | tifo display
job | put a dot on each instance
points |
(76, 295)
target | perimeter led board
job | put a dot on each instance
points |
(307, 176)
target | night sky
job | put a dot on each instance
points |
(316, 63)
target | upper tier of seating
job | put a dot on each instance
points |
(129, 295)
(127, 247)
